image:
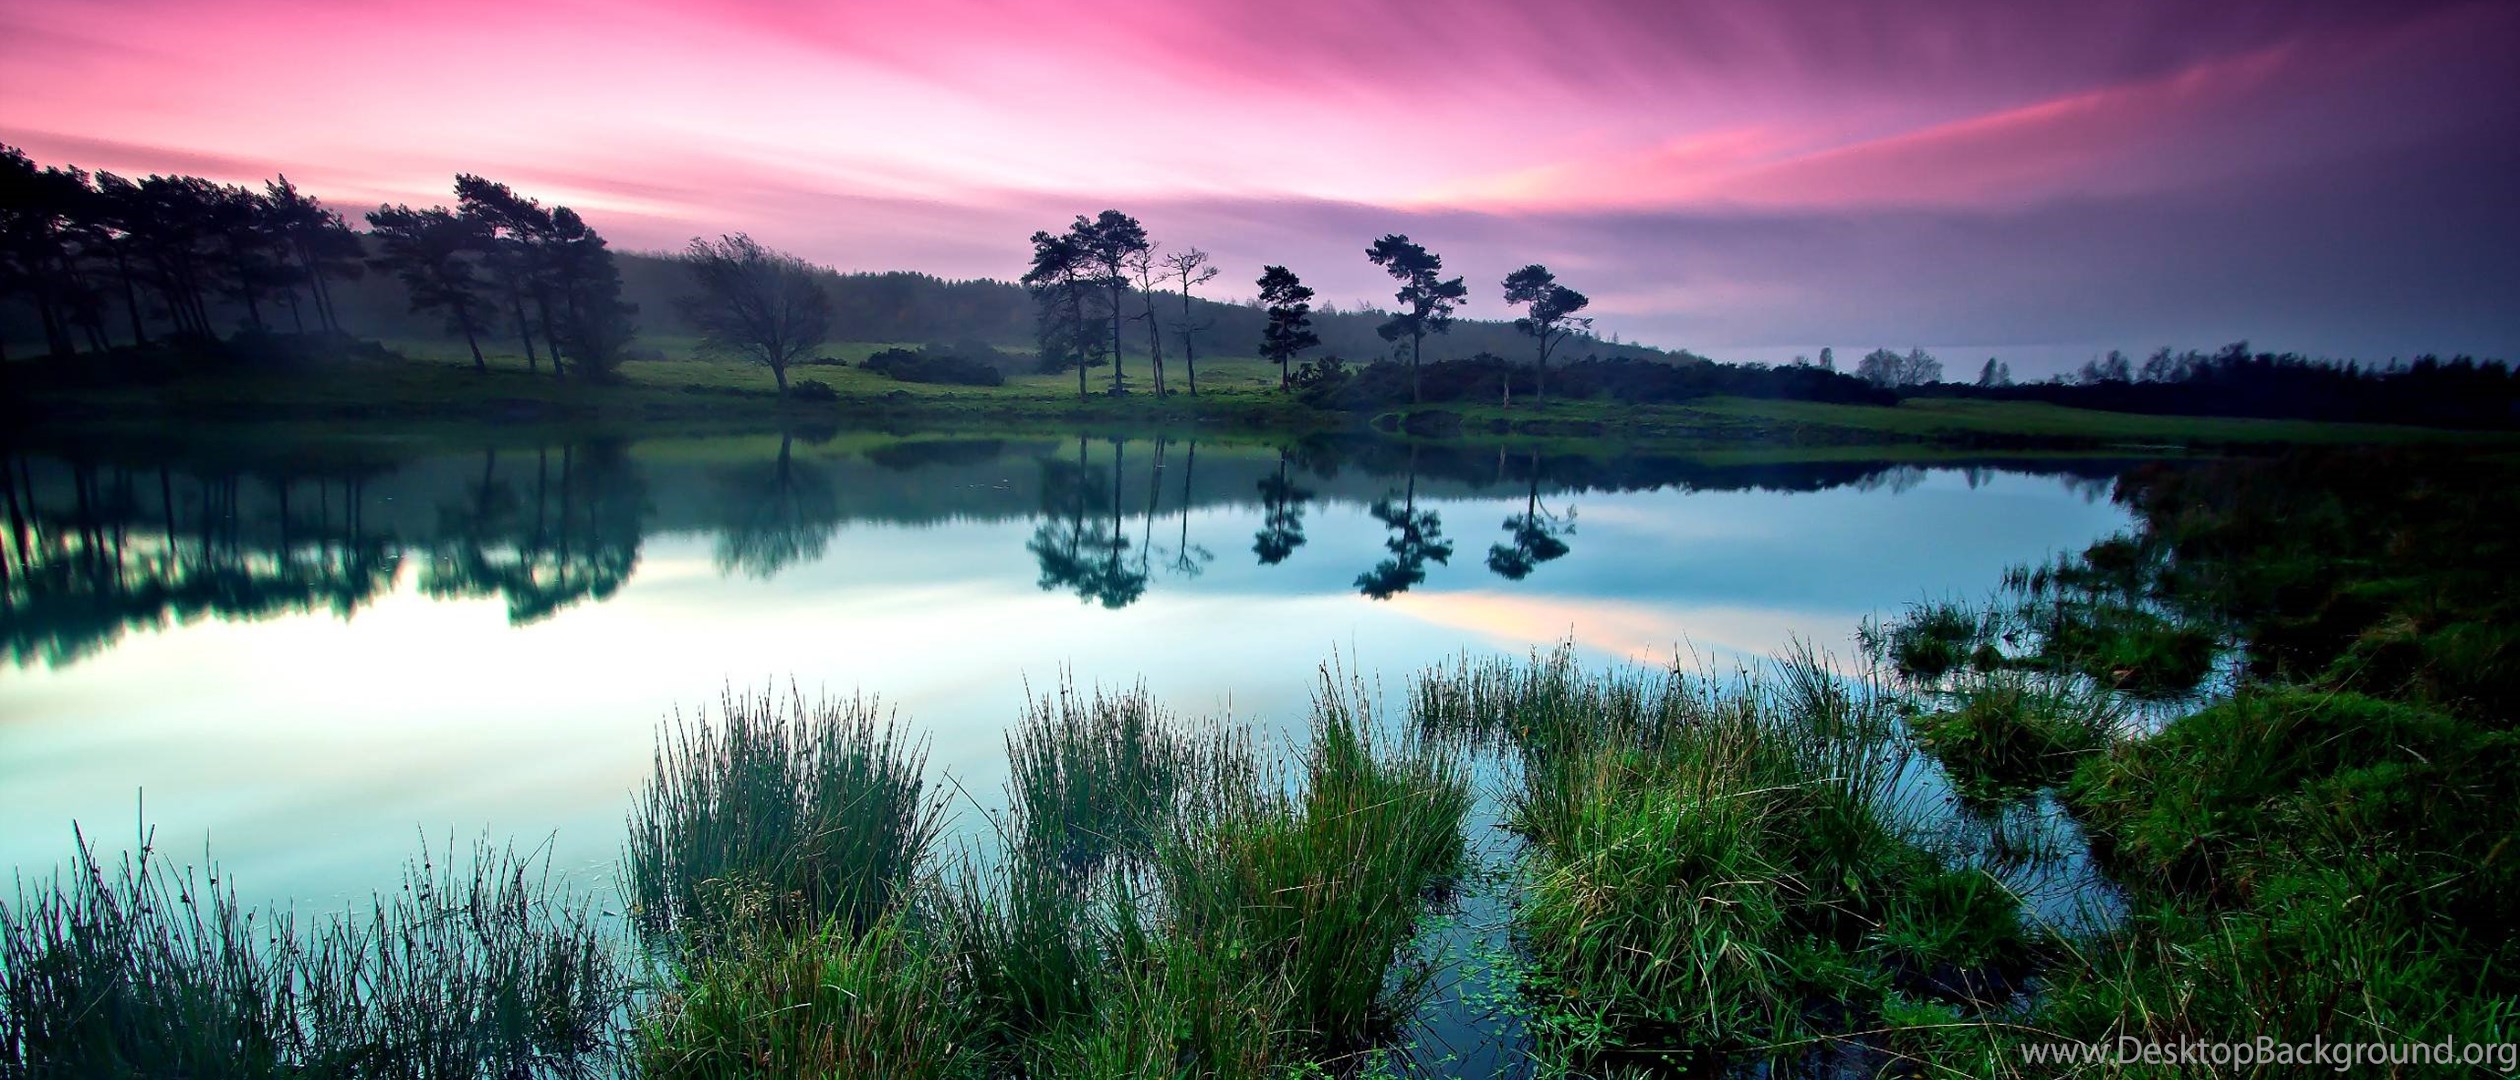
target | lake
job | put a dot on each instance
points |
(310, 657)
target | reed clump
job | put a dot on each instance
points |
(1717, 867)
(778, 812)
(826, 1001)
(2010, 733)
(486, 967)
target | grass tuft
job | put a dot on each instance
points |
(780, 812)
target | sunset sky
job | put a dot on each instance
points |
(1748, 179)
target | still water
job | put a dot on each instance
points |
(309, 658)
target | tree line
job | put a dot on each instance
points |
(85, 249)
(1081, 280)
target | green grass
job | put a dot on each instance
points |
(1714, 867)
(779, 813)
(2008, 733)
(1945, 418)
(1325, 888)
(485, 968)
(813, 1002)
(677, 384)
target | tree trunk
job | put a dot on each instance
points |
(131, 296)
(1417, 346)
(551, 340)
(1189, 336)
(463, 318)
(524, 330)
(1154, 345)
(1540, 377)
(1118, 380)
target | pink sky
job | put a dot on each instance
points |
(1740, 177)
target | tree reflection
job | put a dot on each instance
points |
(85, 557)
(1416, 537)
(1533, 536)
(576, 539)
(775, 514)
(1281, 516)
(1189, 560)
(1080, 549)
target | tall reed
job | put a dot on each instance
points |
(484, 968)
(780, 811)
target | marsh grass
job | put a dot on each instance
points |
(825, 1001)
(1722, 868)
(1326, 886)
(2008, 734)
(779, 812)
(481, 968)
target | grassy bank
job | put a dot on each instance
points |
(426, 382)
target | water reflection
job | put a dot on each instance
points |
(1416, 537)
(575, 538)
(99, 545)
(775, 514)
(1534, 536)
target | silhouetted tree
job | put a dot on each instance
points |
(1426, 300)
(1289, 330)
(595, 324)
(1882, 367)
(2115, 368)
(757, 304)
(430, 252)
(1995, 373)
(1828, 358)
(515, 235)
(1108, 241)
(1141, 266)
(38, 211)
(253, 261)
(1060, 281)
(1190, 269)
(315, 237)
(1549, 316)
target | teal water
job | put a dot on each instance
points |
(309, 658)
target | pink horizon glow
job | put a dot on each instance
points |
(934, 136)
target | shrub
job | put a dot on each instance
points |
(936, 364)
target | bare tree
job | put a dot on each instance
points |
(1141, 269)
(755, 303)
(1190, 268)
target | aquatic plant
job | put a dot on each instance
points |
(779, 811)
(483, 968)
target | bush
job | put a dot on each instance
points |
(812, 390)
(938, 364)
